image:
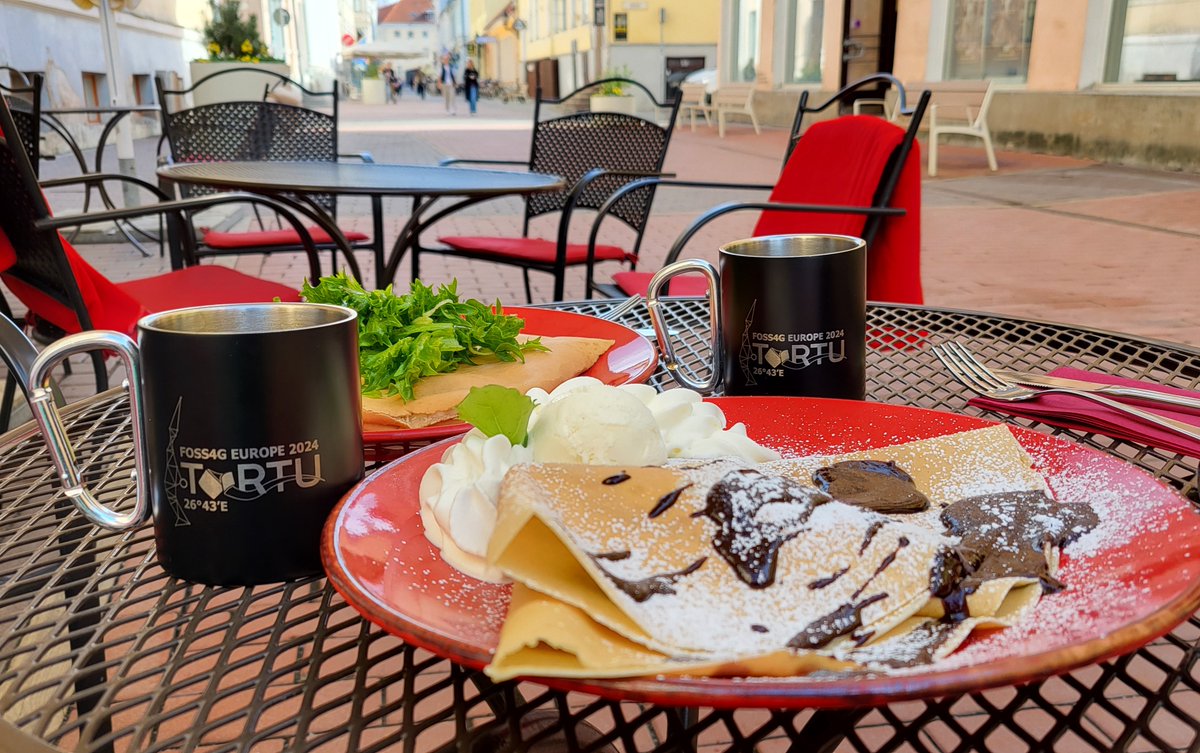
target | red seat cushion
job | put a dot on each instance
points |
(841, 162)
(205, 285)
(263, 238)
(637, 283)
(531, 249)
(118, 306)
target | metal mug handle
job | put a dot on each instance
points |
(41, 401)
(672, 365)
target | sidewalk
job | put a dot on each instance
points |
(1046, 237)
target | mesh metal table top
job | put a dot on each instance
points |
(100, 650)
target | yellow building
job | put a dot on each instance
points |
(497, 49)
(564, 47)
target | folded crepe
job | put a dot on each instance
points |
(715, 568)
(436, 397)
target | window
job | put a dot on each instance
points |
(425, 34)
(989, 39)
(1154, 40)
(744, 52)
(806, 27)
(620, 27)
(95, 93)
(143, 90)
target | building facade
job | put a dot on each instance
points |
(567, 43)
(1105, 79)
(410, 27)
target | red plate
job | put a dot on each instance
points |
(632, 358)
(1127, 587)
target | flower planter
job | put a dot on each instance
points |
(605, 103)
(373, 91)
(243, 86)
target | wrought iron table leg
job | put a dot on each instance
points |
(825, 730)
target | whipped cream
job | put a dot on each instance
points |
(580, 421)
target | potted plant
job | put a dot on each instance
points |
(233, 43)
(373, 91)
(613, 95)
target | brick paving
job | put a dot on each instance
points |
(1045, 237)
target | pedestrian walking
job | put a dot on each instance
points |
(449, 84)
(471, 84)
(391, 84)
(419, 83)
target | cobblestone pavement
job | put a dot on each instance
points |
(1046, 237)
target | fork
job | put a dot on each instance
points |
(966, 368)
(622, 308)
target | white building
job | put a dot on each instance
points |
(410, 28)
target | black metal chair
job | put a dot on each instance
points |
(23, 93)
(596, 153)
(776, 212)
(58, 286)
(257, 130)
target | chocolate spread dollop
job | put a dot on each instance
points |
(876, 485)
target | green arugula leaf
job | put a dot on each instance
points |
(498, 410)
(403, 338)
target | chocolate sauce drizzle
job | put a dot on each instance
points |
(845, 619)
(616, 478)
(664, 503)
(883, 565)
(655, 585)
(872, 529)
(759, 628)
(748, 543)
(620, 554)
(822, 582)
(872, 484)
(1012, 534)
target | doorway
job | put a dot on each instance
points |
(677, 70)
(868, 41)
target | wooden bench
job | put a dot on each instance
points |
(693, 98)
(734, 99)
(956, 107)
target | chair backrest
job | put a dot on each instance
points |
(734, 97)
(582, 140)
(692, 94)
(40, 260)
(23, 93)
(253, 130)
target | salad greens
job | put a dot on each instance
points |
(498, 410)
(402, 338)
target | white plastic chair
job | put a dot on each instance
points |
(693, 99)
(975, 125)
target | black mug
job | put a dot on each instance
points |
(247, 430)
(788, 317)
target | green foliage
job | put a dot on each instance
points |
(614, 88)
(230, 38)
(426, 332)
(372, 70)
(498, 410)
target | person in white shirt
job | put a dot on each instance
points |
(449, 85)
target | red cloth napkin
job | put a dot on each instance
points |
(1079, 413)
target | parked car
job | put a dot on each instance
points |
(706, 76)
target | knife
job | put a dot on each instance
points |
(1112, 390)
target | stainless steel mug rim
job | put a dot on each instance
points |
(803, 245)
(247, 318)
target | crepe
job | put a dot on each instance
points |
(605, 590)
(436, 397)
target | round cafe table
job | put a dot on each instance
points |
(426, 184)
(100, 650)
